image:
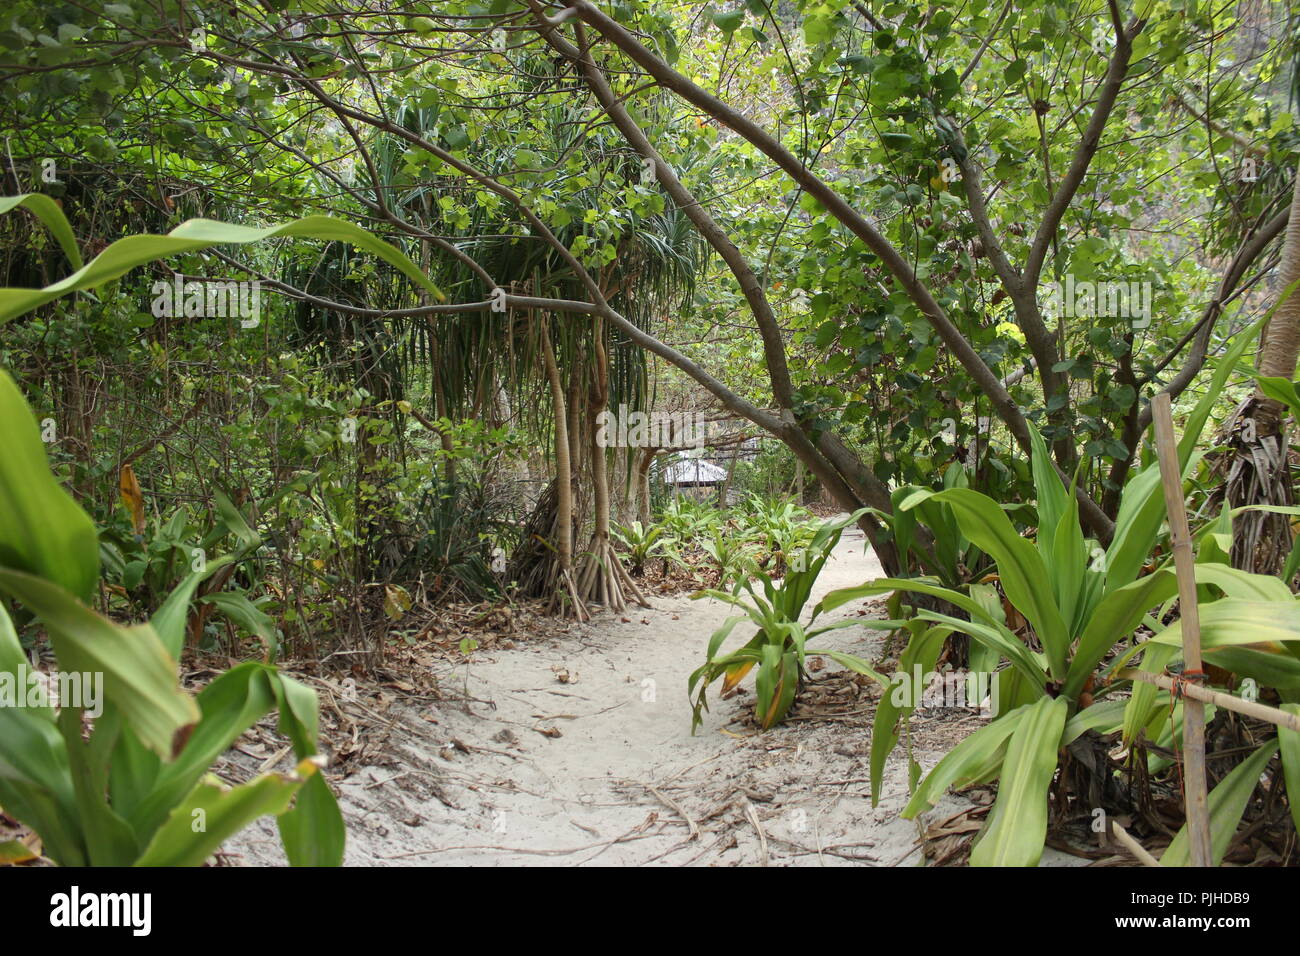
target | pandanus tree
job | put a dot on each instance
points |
(586, 368)
(641, 252)
(1260, 471)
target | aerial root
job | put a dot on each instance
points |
(603, 580)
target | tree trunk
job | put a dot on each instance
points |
(602, 578)
(1260, 472)
(644, 461)
(439, 385)
(565, 595)
(1280, 341)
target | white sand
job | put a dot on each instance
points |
(519, 797)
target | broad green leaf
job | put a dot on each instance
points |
(47, 211)
(1280, 390)
(13, 851)
(1115, 618)
(1020, 569)
(1267, 668)
(1142, 507)
(1017, 824)
(1105, 717)
(35, 781)
(1053, 498)
(212, 813)
(313, 831)
(842, 596)
(169, 620)
(968, 757)
(998, 638)
(917, 660)
(232, 521)
(1289, 742)
(139, 675)
(1067, 562)
(110, 841)
(229, 705)
(855, 664)
(126, 254)
(1234, 622)
(1123, 609)
(1227, 803)
(247, 615)
(42, 530)
(1137, 712)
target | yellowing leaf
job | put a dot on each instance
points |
(735, 675)
(129, 488)
(396, 601)
(13, 851)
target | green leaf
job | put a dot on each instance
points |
(1289, 741)
(1052, 496)
(1280, 390)
(14, 851)
(1138, 710)
(42, 530)
(313, 832)
(965, 762)
(1233, 622)
(229, 705)
(1020, 569)
(247, 615)
(855, 664)
(169, 620)
(1017, 824)
(110, 841)
(47, 211)
(917, 660)
(139, 675)
(999, 639)
(1142, 507)
(1105, 717)
(212, 813)
(1115, 618)
(1227, 803)
(729, 22)
(126, 254)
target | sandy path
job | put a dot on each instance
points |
(513, 795)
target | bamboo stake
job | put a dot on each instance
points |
(1227, 701)
(1171, 479)
(1126, 840)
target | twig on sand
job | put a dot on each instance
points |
(676, 807)
(630, 835)
(752, 815)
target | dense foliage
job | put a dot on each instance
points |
(320, 312)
